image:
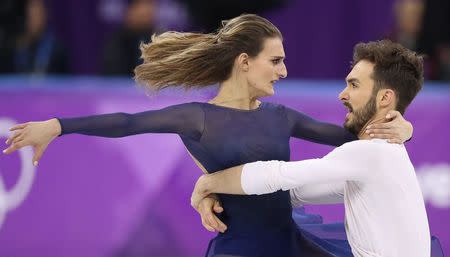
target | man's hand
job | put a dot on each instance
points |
(224, 182)
(397, 130)
(207, 208)
(199, 191)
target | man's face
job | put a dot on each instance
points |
(358, 96)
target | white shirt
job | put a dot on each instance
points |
(384, 209)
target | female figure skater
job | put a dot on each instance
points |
(246, 58)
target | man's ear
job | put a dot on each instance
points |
(386, 97)
(243, 61)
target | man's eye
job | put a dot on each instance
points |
(276, 61)
(354, 85)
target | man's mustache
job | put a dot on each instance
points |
(349, 106)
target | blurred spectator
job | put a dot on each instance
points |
(435, 38)
(408, 22)
(36, 50)
(207, 14)
(121, 53)
(12, 23)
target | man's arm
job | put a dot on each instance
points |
(349, 162)
(227, 181)
(261, 178)
(317, 194)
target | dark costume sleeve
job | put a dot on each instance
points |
(184, 119)
(307, 128)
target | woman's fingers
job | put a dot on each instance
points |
(38, 152)
(18, 126)
(392, 114)
(14, 147)
(13, 136)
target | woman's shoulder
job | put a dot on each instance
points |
(273, 106)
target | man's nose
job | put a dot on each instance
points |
(343, 95)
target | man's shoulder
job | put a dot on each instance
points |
(370, 143)
(374, 148)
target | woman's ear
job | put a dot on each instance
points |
(242, 61)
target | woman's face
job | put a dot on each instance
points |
(266, 68)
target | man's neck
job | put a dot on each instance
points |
(379, 117)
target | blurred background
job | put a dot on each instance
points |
(130, 197)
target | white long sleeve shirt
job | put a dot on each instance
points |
(384, 209)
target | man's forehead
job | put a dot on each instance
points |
(361, 70)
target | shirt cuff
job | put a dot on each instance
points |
(260, 177)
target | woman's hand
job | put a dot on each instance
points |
(36, 134)
(397, 130)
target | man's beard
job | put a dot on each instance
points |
(360, 117)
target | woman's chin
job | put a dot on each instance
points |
(269, 92)
(264, 92)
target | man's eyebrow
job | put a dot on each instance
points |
(351, 80)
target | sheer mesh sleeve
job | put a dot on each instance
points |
(184, 119)
(307, 128)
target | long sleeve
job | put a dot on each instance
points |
(349, 162)
(307, 128)
(184, 119)
(326, 193)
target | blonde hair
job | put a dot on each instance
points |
(192, 60)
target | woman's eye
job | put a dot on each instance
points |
(276, 61)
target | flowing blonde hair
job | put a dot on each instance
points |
(192, 60)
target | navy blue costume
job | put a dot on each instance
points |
(219, 138)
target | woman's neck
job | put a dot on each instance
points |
(235, 94)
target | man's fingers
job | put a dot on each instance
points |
(210, 219)
(204, 206)
(208, 227)
(217, 207)
(195, 200)
(222, 227)
(207, 208)
(216, 223)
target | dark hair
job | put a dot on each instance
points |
(396, 68)
(199, 60)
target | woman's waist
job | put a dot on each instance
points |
(255, 213)
(260, 230)
(266, 243)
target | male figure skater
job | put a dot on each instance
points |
(384, 209)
